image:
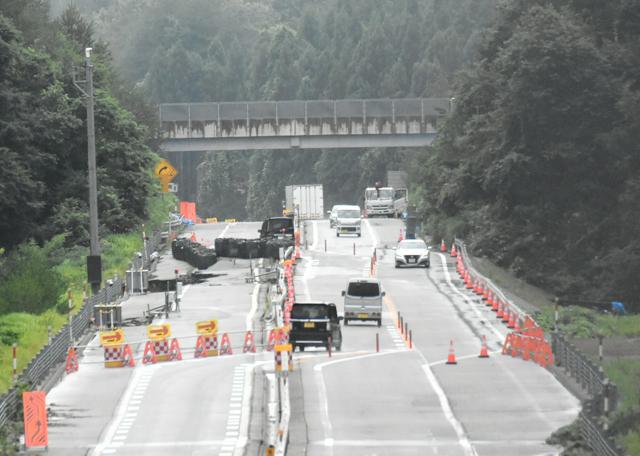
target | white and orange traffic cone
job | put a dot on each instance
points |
(451, 359)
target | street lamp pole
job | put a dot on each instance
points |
(94, 262)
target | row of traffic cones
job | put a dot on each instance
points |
(484, 352)
(454, 250)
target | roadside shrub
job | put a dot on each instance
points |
(29, 281)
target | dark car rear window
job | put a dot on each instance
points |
(276, 226)
(363, 289)
(310, 311)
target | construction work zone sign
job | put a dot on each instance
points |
(112, 337)
(207, 327)
(34, 405)
(159, 332)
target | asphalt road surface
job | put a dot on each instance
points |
(357, 402)
(188, 407)
(408, 401)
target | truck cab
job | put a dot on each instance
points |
(378, 201)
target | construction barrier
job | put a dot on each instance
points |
(206, 346)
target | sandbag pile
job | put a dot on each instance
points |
(251, 248)
(197, 255)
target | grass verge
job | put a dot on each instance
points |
(30, 331)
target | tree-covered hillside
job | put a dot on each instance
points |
(288, 49)
(539, 166)
(43, 145)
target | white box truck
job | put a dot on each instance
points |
(306, 202)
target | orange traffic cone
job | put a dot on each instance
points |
(72, 361)
(494, 304)
(149, 355)
(400, 237)
(501, 307)
(193, 236)
(451, 359)
(505, 316)
(517, 325)
(443, 247)
(127, 356)
(174, 350)
(249, 343)
(484, 353)
(512, 320)
(454, 252)
(225, 345)
(490, 299)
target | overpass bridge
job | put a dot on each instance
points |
(298, 124)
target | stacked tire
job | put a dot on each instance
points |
(195, 254)
(251, 248)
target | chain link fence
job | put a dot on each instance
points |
(55, 352)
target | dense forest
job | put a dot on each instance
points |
(43, 191)
(539, 166)
(536, 168)
(231, 50)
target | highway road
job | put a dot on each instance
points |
(188, 407)
(356, 402)
(408, 401)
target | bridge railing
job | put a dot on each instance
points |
(302, 118)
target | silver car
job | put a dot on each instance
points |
(363, 300)
(412, 252)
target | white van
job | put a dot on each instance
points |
(363, 300)
(348, 220)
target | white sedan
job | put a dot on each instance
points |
(412, 252)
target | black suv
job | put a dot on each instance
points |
(312, 323)
(277, 227)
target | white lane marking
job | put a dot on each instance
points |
(448, 413)
(224, 231)
(305, 277)
(322, 390)
(254, 306)
(371, 233)
(315, 235)
(123, 410)
(466, 298)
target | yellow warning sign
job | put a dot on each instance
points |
(159, 332)
(283, 348)
(112, 337)
(207, 327)
(165, 171)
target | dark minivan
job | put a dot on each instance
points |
(313, 323)
(277, 227)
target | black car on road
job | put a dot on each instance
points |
(314, 324)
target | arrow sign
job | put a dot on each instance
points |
(207, 327)
(159, 332)
(165, 171)
(112, 337)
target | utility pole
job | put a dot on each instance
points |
(94, 261)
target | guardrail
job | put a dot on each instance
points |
(462, 248)
(54, 353)
(604, 395)
(593, 418)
